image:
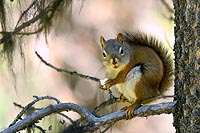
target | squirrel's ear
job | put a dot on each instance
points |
(102, 41)
(120, 37)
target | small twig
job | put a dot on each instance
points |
(18, 105)
(19, 28)
(108, 127)
(67, 117)
(30, 105)
(35, 17)
(157, 97)
(66, 71)
(47, 97)
(25, 12)
(110, 93)
(106, 103)
(39, 128)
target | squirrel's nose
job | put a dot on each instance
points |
(114, 61)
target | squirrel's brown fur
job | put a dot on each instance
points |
(166, 55)
(139, 65)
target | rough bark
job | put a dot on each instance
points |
(88, 122)
(187, 64)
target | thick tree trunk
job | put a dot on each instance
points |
(187, 65)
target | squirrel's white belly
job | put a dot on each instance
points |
(128, 87)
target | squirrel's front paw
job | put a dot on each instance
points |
(104, 84)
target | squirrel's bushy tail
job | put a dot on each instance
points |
(166, 55)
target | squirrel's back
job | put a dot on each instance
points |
(165, 54)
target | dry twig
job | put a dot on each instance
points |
(66, 71)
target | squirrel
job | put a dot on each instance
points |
(138, 65)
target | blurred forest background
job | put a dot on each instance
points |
(73, 44)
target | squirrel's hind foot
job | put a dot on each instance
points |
(130, 109)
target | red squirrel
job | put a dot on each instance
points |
(138, 65)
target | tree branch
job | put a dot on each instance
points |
(66, 71)
(93, 122)
(36, 13)
(31, 105)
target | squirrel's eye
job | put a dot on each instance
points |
(104, 53)
(121, 51)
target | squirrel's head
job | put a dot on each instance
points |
(115, 53)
